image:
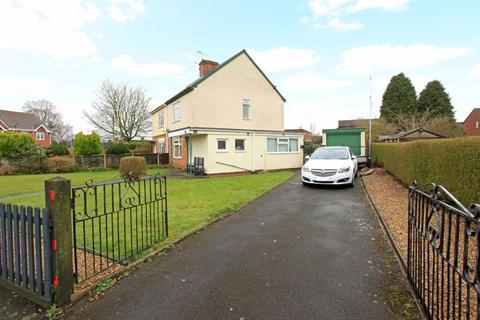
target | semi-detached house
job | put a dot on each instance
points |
(232, 116)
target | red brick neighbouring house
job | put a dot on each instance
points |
(12, 121)
(471, 125)
(307, 135)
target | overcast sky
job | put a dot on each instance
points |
(320, 53)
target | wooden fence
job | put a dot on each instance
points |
(25, 252)
(113, 160)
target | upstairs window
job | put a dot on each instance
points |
(177, 112)
(39, 135)
(477, 124)
(246, 109)
(161, 119)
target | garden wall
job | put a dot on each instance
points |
(453, 163)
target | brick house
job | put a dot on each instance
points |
(232, 116)
(12, 121)
(471, 125)
(307, 135)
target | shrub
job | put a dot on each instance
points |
(118, 148)
(132, 167)
(87, 144)
(140, 146)
(15, 145)
(31, 163)
(453, 163)
(6, 169)
(57, 149)
(61, 164)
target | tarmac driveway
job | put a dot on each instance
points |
(295, 253)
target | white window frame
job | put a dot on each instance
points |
(161, 119)
(42, 135)
(287, 143)
(246, 102)
(177, 143)
(176, 117)
(283, 142)
(226, 145)
(477, 124)
(161, 147)
(244, 145)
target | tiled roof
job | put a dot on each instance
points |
(20, 120)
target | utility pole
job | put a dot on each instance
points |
(370, 123)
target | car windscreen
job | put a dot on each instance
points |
(330, 153)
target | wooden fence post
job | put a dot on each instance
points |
(58, 203)
(105, 160)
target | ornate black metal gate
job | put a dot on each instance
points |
(443, 254)
(112, 221)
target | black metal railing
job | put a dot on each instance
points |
(25, 252)
(443, 254)
(112, 221)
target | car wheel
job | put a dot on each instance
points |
(352, 184)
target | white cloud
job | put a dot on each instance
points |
(387, 5)
(331, 13)
(124, 10)
(127, 63)
(285, 58)
(368, 59)
(304, 19)
(475, 72)
(48, 27)
(57, 27)
(312, 82)
(338, 25)
(14, 85)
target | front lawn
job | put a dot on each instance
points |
(22, 183)
(192, 203)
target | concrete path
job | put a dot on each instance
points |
(295, 253)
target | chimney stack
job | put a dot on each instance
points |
(205, 66)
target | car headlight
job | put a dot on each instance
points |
(305, 169)
(344, 169)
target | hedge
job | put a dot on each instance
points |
(453, 163)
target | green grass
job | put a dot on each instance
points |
(192, 203)
(18, 184)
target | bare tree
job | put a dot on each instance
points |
(64, 133)
(50, 117)
(120, 112)
(410, 121)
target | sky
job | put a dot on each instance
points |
(321, 54)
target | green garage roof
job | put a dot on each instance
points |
(347, 130)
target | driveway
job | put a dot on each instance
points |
(295, 253)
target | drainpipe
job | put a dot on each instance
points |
(253, 151)
(189, 149)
